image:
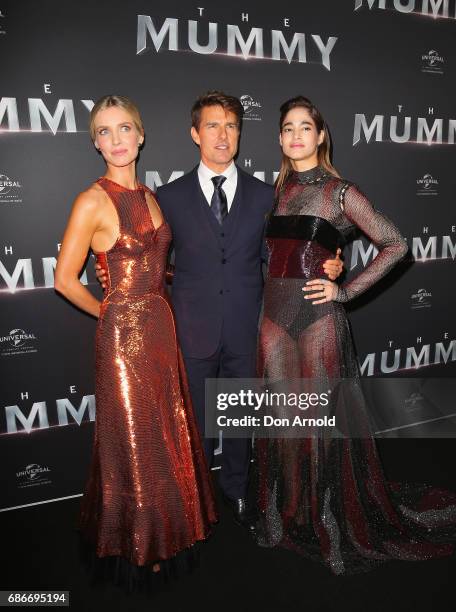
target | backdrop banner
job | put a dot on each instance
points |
(381, 71)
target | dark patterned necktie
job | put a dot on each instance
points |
(219, 204)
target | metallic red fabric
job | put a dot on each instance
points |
(149, 493)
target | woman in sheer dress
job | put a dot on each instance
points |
(323, 495)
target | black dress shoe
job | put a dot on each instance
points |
(241, 514)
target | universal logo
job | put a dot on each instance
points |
(9, 190)
(421, 299)
(33, 475)
(427, 186)
(432, 62)
(250, 107)
(17, 342)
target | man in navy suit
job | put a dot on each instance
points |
(217, 216)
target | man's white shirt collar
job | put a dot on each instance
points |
(205, 175)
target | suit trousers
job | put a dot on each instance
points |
(235, 456)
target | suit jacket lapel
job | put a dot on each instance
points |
(240, 209)
(230, 221)
(205, 215)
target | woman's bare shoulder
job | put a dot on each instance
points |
(91, 199)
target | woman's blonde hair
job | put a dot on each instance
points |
(119, 101)
(324, 149)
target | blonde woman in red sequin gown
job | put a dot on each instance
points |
(149, 497)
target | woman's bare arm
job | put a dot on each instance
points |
(82, 225)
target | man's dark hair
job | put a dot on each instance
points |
(216, 98)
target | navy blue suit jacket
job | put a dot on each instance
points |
(218, 282)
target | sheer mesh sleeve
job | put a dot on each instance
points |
(382, 232)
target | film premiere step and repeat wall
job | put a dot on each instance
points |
(383, 74)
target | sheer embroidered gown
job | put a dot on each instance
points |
(149, 496)
(327, 498)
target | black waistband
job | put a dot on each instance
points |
(305, 227)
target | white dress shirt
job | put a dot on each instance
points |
(229, 186)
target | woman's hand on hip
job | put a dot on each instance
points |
(324, 290)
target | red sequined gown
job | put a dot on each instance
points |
(149, 494)
(325, 497)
